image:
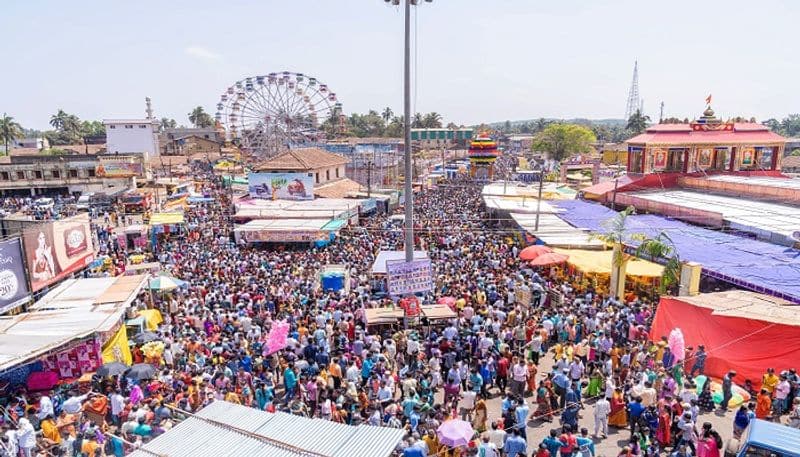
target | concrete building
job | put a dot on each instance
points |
(132, 136)
(325, 166)
(32, 175)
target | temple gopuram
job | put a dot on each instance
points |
(482, 155)
(705, 145)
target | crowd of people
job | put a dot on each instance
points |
(505, 364)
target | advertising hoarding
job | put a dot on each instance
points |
(55, 249)
(13, 285)
(118, 169)
(281, 186)
(404, 278)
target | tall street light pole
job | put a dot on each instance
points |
(409, 191)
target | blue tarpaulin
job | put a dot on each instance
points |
(755, 265)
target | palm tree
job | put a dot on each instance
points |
(541, 124)
(417, 121)
(655, 249)
(661, 248)
(9, 130)
(387, 114)
(637, 122)
(59, 119)
(199, 118)
(432, 120)
(167, 123)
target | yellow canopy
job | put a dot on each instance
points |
(166, 218)
(152, 317)
(599, 262)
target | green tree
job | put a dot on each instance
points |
(417, 122)
(59, 120)
(662, 249)
(563, 140)
(773, 125)
(637, 123)
(540, 125)
(10, 130)
(790, 125)
(395, 127)
(387, 114)
(199, 118)
(432, 120)
(167, 123)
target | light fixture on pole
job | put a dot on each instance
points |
(408, 188)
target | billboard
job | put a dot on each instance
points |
(13, 286)
(55, 249)
(118, 169)
(284, 236)
(281, 186)
(404, 278)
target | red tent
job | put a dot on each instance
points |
(743, 331)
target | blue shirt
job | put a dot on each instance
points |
(289, 378)
(635, 408)
(413, 451)
(366, 368)
(515, 445)
(553, 445)
(586, 442)
(561, 380)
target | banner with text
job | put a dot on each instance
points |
(404, 278)
(13, 286)
(55, 249)
(281, 186)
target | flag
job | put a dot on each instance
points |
(116, 349)
(708, 99)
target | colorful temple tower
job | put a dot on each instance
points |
(482, 154)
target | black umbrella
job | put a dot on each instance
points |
(112, 369)
(141, 371)
(146, 337)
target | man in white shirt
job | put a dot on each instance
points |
(45, 408)
(601, 411)
(497, 436)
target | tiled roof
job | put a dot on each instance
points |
(303, 159)
(340, 188)
(790, 162)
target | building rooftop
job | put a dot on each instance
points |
(130, 121)
(303, 159)
(694, 133)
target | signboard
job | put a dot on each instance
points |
(284, 236)
(281, 186)
(13, 285)
(118, 169)
(404, 278)
(659, 158)
(55, 249)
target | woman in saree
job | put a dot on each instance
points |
(544, 410)
(618, 416)
(480, 414)
(663, 434)
(595, 383)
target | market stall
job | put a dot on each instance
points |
(593, 267)
(383, 316)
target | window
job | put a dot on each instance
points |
(142, 126)
(73, 173)
(90, 172)
(327, 175)
(128, 126)
(112, 126)
(5, 176)
(337, 172)
(20, 175)
(37, 174)
(56, 174)
(317, 177)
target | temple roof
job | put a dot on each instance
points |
(693, 133)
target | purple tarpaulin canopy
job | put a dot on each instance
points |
(756, 265)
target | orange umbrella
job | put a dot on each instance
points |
(550, 258)
(532, 252)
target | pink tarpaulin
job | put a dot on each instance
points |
(276, 340)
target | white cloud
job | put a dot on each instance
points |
(201, 53)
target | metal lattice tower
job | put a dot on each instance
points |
(634, 103)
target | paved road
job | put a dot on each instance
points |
(617, 438)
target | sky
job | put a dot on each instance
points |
(476, 60)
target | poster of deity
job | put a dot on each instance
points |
(704, 157)
(659, 158)
(748, 155)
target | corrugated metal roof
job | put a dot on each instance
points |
(198, 437)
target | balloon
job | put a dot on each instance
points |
(677, 344)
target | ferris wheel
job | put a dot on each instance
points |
(267, 114)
